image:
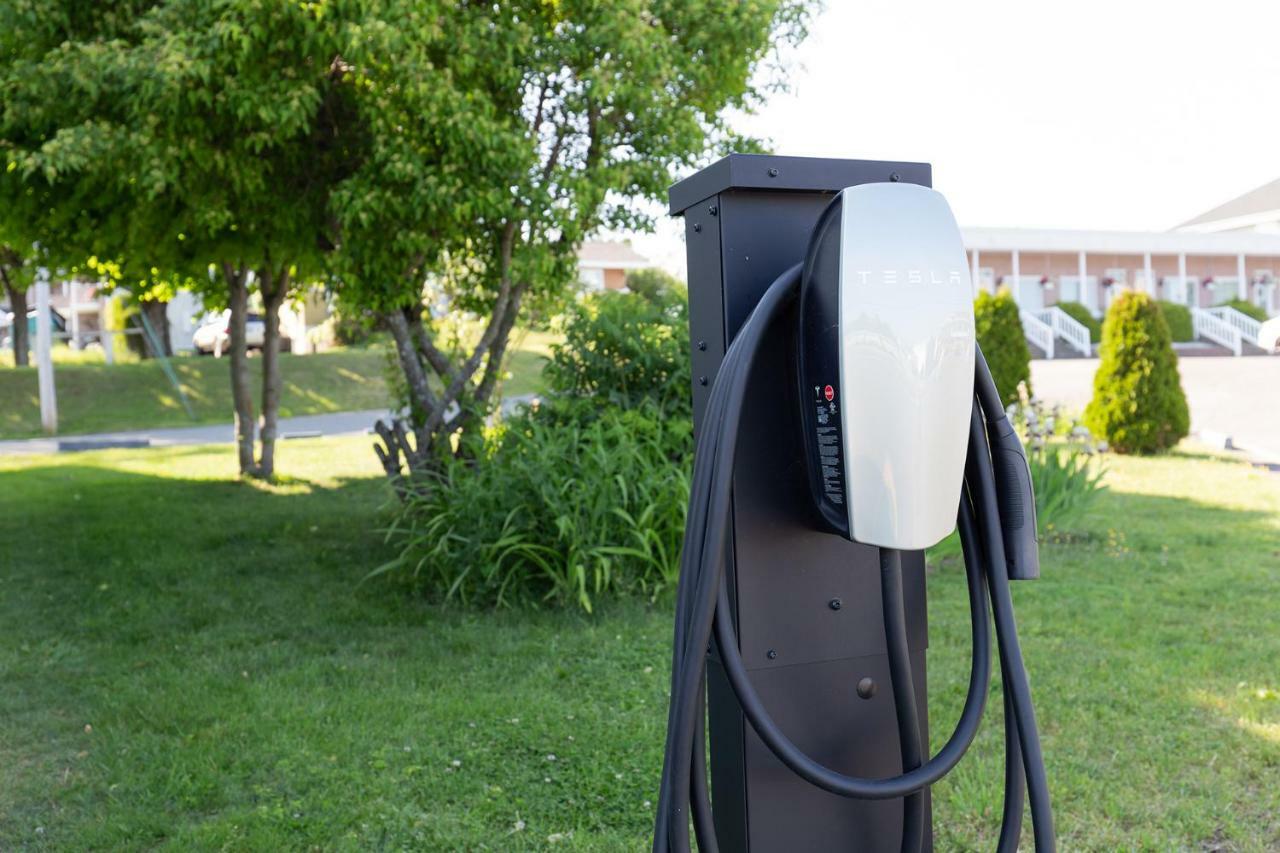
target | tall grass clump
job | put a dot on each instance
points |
(580, 497)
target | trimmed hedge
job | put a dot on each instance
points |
(1178, 319)
(1138, 405)
(1081, 315)
(1003, 343)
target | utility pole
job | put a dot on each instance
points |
(44, 354)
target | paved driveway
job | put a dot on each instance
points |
(1239, 397)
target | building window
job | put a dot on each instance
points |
(592, 280)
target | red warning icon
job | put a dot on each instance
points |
(829, 393)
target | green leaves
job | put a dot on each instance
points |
(1138, 405)
(999, 331)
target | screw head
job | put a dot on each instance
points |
(895, 177)
(697, 226)
(835, 604)
(702, 380)
(867, 688)
(773, 173)
(702, 346)
(772, 654)
(713, 210)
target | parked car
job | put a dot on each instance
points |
(56, 322)
(214, 333)
(1269, 335)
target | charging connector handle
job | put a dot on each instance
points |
(1014, 494)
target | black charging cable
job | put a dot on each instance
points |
(703, 610)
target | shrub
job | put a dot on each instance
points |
(1081, 315)
(1247, 308)
(581, 497)
(622, 348)
(1003, 343)
(1138, 405)
(656, 285)
(1062, 456)
(564, 506)
(1178, 319)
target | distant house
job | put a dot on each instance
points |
(603, 265)
(1229, 253)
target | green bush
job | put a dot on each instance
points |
(581, 497)
(564, 506)
(1081, 315)
(1178, 319)
(1138, 405)
(1247, 308)
(656, 285)
(622, 348)
(1003, 343)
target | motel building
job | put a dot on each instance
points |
(1228, 253)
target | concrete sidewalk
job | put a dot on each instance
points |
(1235, 397)
(304, 426)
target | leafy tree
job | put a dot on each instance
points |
(497, 138)
(655, 284)
(15, 275)
(1138, 405)
(178, 134)
(999, 330)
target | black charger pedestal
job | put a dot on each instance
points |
(807, 603)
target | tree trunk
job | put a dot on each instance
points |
(158, 317)
(21, 331)
(273, 292)
(241, 390)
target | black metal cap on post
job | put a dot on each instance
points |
(789, 174)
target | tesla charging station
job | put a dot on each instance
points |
(842, 413)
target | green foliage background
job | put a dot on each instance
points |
(1138, 405)
(1003, 343)
(1247, 308)
(1178, 319)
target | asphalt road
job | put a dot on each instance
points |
(1236, 397)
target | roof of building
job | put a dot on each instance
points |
(610, 254)
(1260, 203)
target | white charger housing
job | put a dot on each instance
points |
(906, 363)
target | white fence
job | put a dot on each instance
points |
(1212, 327)
(1038, 332)
(1247, 326)
(1068, 328)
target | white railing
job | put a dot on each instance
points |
(1216, 329)
(1068, 328)
(1038, 332)
(1249, 327)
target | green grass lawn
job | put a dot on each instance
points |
(190, 662)
(93, 397)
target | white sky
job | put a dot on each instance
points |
(1122, 114)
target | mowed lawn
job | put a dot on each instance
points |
(93, 397)
(190, 662)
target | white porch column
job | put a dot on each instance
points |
(44, 354)
(973, 274)
(1016, 275)
(1182, 280)
(1242, 283)
(1147, 275)
(1086, 296)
